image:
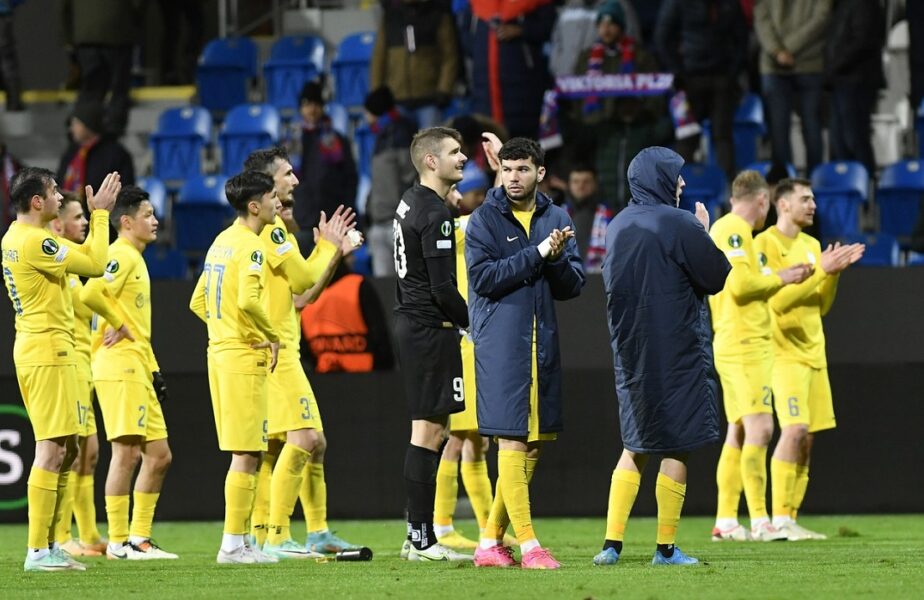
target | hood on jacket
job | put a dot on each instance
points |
(653, 176)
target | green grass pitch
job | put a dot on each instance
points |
(865, 556)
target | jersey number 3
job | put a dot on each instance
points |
(400, 255)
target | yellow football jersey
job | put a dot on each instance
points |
(122, 296)
(280, 246)
(796, 310)
(740, 317)
(461, 269)
(230, 295)
(83, 316)
(35, 263)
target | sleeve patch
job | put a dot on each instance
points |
(284, 248)
(49, 246)
(62, 254)
(735, 241)
(446, 228)
(257, 257)
(113, 266)
(443, 244)
(278, 235)
(735, 253)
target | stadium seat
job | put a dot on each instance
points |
(704, 183)
(915, 259)
(201, 212)
(339, 118)
(294, 61)
(165, 263)
(747, 129)
(350, 68)
(763, 167)
(158, 196)
(225, 67)
(178, 142)
(246, 128)
(881, 249)
(899, 196)
(840, 188)
(365, 145)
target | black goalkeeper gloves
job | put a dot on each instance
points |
(160, 387)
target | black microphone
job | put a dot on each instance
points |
(354, 554)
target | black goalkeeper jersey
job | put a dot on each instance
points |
(423, 228)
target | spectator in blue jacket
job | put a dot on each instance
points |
(660, 265)
(521, 257)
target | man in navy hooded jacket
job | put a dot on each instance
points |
(521, 257)
(659, 267)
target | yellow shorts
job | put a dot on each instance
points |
(803, 396)
(86, 416)
(239, 406)
(746, 387)
(50, 394)
(291, 404)
(131, 407)
(534, 435)
(467, 420)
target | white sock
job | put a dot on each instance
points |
(136, 539)
(231, 542)
(756, 523)
(38, 553)
(726, 524)
(488, 543)
(443, 530)
(781, 521)
(528, 545)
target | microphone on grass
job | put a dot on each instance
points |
(354, 554)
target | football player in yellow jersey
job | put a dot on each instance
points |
(128, 382)
(744, 359)
(465, 449)
(35, 265)
(295, 452)
(78, 502)
(230, 298)
(801, 390)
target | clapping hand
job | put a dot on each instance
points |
(105, 198)
(838, 257)
(558, 239)
(491, 145)
(702, 215)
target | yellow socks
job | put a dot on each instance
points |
(498, 519)
(477, 487)
(143, 514)
(798, 491)
(239, 494)
(754, 477)
(261, 503)
(42, 490)
(117, 515)
(511, 468)
(623, 490)
(65, 510)
(85, 508)
(670, 495)
(728, 479)
(314, 497)
(287, 480)
(783, 474)
(447, 492)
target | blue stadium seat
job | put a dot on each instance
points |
(165, 263)
(840, 188)
(763, 167)
(158, 196)
(899, 196)
(177, 143)
(294, 61)
(362, 261)
(704, 183)
(881, 249)
(365, 145)
(246, 128)
(225, 67)
(915, 259)
(201, 212)
(339, 118)
(747, 129)
(350, 68)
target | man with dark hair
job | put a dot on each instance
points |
(294, 458)
(128, 382)
(78, 503)
(92, 153)
(327, 171)
(429, 311)
(391, 173)
(230, 299)
(660, 265)
(801, 389)
(590, 215)
(521, 257)
(35, 267)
